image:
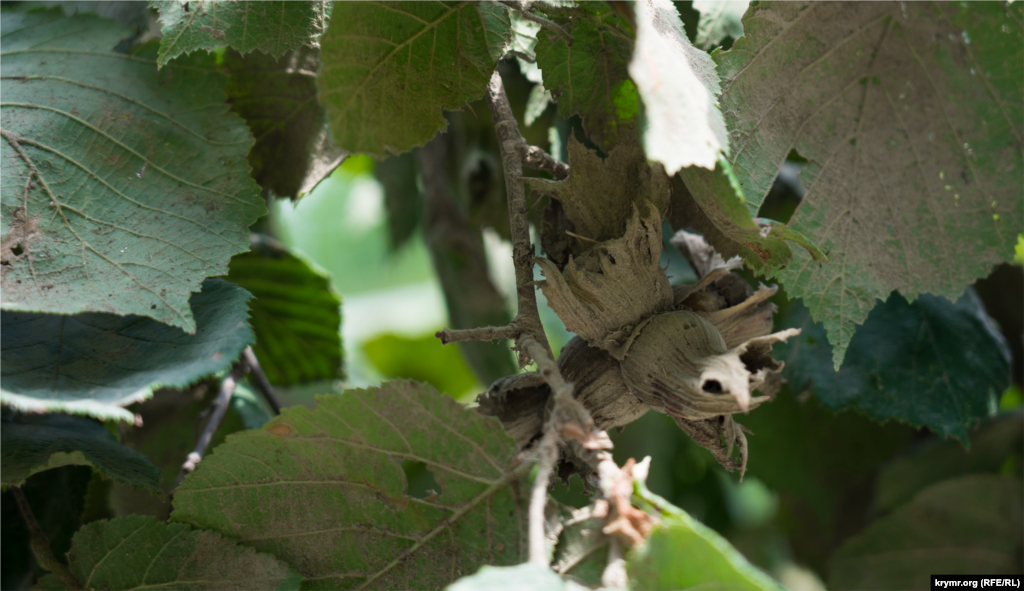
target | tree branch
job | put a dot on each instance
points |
(485, 333)
(538, 159)
(40, 544)
(260, 378)
(524, 7)
(220, 408)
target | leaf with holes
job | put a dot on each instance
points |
(910, 117)
(51, 441)
(296, 314)
(390, 69)
(123, 186)
(277, 97)
(323, 490)
(968, 525)
(139, 552)
(931, 364)
(271, 27)
(95, 364)
(591, 77)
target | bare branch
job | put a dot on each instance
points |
(485, 333)
(220, 408)
(524, 7)
(262, 383)
(40, 544)
(538, 159)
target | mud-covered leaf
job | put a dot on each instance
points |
(968, 525)
(528, 576)
(719, 19)
(323, 490)
(710, 560)
(123, 186)
(295, 312)
(51, 441)
(139, 552)
(591, 78)
(679, 88)
(931, 364)
(277, 97)
(911, 120)
(712, 203)
(391, 69)
(270, 27)
(97, 363)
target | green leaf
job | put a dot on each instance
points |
(679, 86)
(296, 314)
(391, 69)
(933, 461)
(95, 364)
(423, 359)
(910, 118)
(139, 552)
(709, 559)
(124, 186)
(581, 553)
(277, 97)
(711, 202)
(719, 19)
(271, 27)
(52, 441)
(528, 576)
(323, 490)
(969, 525)
(590, 78)
(931, 364)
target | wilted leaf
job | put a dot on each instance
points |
(323, 490)
(590, 78)
(270, 27)
(296, 314)
(910, 117)
(710, 561)
(123, 186)
(52, 441)
(679, 87)
(139, 552)
(932, 363)
(528, 576)
(719, 19)
(968, 525)
(97, 363)
(277, 97)
(391, 69)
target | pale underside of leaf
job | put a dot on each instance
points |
(123, 186)
(391, 69)
(323, 491)
(679, 86)
(910, 116)
(139, 552)
(719, 19)
(96, 364)
(271, 27)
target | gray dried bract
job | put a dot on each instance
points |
(604, 294)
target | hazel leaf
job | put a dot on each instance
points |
(718, 19)
(324, 490)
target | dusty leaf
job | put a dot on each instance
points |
(123, 186)
(271, 27)
(591, 78)
(679, 87)
(323, 490)
(390, 69)
(910, 118)
(277, 97)
(719, 19)
(295, 312)
(931, 364)
(52, 440)
(139, 552)
(968, 525)
(95, 364)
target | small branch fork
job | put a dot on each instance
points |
(568, 419)
(219, 408)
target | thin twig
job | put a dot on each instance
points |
(485, 333)
(40, 544)
(260, 378)
(537, 158)
(220, 408)
(524, 7)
